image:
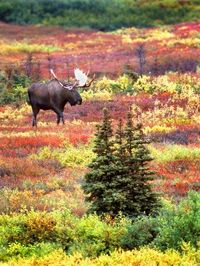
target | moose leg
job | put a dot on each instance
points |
(59, 115)
(35, 112)
(58, 119)
(63, 120)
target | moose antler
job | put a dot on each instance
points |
(90, 82)
(52, 72)
(70, 87)
(82, 78)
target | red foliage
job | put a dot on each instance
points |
(185, 29)
(78, 139)
(36, 142)
(178, 177)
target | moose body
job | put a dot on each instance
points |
(51, 96)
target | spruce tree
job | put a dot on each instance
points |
(147, 199)
(98, 182)
(119, 177)
(130, 164)
(119, 180)
(140, 197)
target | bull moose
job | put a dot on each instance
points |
(54, 94)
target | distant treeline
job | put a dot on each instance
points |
(99, 14)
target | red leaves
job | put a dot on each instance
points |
(178, 177)
(185, 29)
(78, 139)
(31, 142)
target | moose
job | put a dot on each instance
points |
(54, 94)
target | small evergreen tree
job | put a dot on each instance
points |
(119, 176)
(119, 180)
(141, 198)
(98, 182)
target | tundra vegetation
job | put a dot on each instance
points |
(44, 217)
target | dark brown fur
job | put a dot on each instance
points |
(51, 96)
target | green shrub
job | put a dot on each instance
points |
(37, 234)
(179, 223)
(139, 233)
(16, 250)
(27, 228)
(94, 236)
(16, 92)
(38, 227)
(69, 156)
(11, 228)
(65, 228)
(172, 153)
(20, 80)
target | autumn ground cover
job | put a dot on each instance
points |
(50, 161)
(165, 48)
(43, 168)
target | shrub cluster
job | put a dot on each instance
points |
(39, 233)
(142, 257)
(13, 87)
(68, 156)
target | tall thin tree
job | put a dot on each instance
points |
(98, 180)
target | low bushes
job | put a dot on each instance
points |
(68, 156)
(38, 233)
(140, 233)
(142, 257)
(17, 95)
(105, 88)
(172, 153)
(185, 87)
(13, 87)
(179, 223)
(18, 250)
(17, 47)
